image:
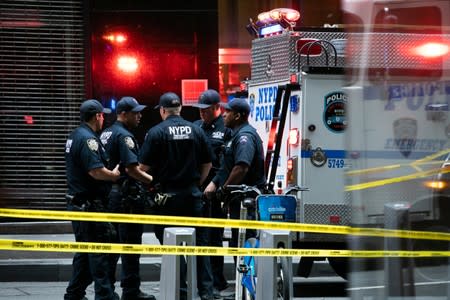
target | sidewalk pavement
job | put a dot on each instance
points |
(37, 275)
(56, 290)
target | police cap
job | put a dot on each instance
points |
(239, 105)
(207, 98)
(91, 107)
(127, 104)
(169, 99)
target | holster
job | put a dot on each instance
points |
(76, 203)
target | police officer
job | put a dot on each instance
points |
(126, 194)
(89, 182)
(212, 124)
(177, 154)
(243, 161)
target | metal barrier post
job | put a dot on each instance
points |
(172, 266)
(266, 267)
(399, 273)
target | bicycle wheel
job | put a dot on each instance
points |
(284, 279)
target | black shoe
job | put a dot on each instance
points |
(140, 296)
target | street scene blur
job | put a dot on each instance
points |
(136, 130)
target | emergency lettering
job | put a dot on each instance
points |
(416, 144)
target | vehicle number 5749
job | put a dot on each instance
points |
(335, 163)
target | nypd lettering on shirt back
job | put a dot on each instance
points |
(180, 132)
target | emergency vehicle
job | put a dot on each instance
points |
(339, 113)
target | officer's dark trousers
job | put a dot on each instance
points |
(188, 202)
(216, 240)
(88, 267)
(129, 233)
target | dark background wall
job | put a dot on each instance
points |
(172, 40)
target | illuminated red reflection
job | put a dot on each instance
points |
(432, 50)
(127, 64)
(115, 38)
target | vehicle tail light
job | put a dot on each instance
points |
(293, 137)
(293, 78)
(436, 184)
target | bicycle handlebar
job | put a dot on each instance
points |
(296, 188)
(241, 189)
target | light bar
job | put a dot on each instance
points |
(268, 30)
(278, 14)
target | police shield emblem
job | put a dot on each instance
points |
(405, 134)
(129, 142)
(92, 144)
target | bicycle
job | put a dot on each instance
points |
(268, 207)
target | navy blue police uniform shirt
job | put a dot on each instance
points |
(121, 146)
(245, 146)
(217, 134)
(85, 152)
(174, 149)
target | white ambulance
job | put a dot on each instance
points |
(366, 112)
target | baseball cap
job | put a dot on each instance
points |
(207, 98)
(169, 99)
(91, 107)
(239, 105)
(127, 104)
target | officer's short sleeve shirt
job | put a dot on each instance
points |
(83, 153)
(174, 150)
(120, 144)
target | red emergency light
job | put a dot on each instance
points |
(278, 14)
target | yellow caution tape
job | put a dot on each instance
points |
(427, 160)
(54, 246)
(383, 182)
(415, 165)
(221, 223)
